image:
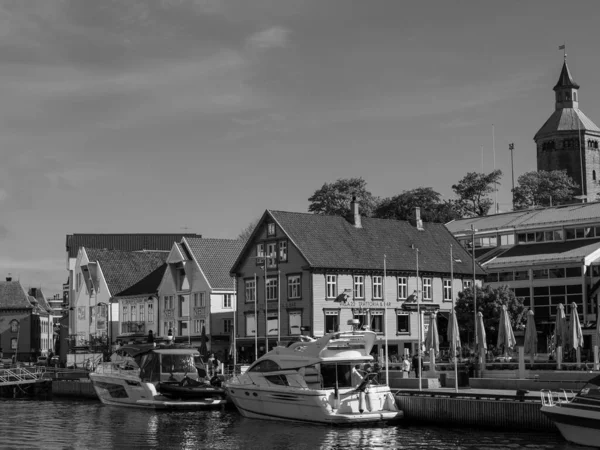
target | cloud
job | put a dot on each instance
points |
(274, 37)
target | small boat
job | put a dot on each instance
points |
(577, 419)
(317, 381)
(156, 376)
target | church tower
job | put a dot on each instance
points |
(569, 139)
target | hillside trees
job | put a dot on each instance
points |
(544, 188)
(473, 191)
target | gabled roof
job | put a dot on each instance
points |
(332, 242)
(559, 252)
(566, 119)
(147, 285)
(215, 258)
(571, 214)
(40, 299)
(126, 242)
(122, 269)
(13, 296)
(565, 80)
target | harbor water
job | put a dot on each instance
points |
(67, 424)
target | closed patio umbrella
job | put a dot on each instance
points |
(203, 350)
(575, 336)
(506, 337)
(432, 341)
(530, 336)
(453, 334)
(481, 337)
(560, 332)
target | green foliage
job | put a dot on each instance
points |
(402, 206)
(543, 188)
(489, 303)
(334, 198)
(247, 230)
(473, 190)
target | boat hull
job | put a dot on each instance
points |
(314, 406)
(133, 393)
(577, 425)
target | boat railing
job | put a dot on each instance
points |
(550, 398)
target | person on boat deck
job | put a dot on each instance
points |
(356, 377)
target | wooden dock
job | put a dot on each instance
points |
(475, 407)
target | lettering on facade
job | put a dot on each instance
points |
(351, 304)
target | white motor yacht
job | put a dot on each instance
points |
(316, 380)
(577, 419)
(156, 376)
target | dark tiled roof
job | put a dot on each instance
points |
(570, 251)
(126, 242)
(215, 257)
(331, 242)
(147, 285)
(122, 269)
(13, 296)
(41, 299)
(566, 119)
(565, 79)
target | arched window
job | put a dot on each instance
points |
(574, 96)
(594, 175)
(14, 326)
(567, 96)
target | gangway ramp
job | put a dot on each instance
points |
(13, 376)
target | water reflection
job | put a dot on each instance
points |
(82, 425)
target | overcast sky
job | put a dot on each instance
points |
(126, 116)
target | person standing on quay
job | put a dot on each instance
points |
(416, 366)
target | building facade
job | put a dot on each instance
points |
(310, 274)
(569, 139)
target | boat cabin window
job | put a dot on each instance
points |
(591, 390)
(177, 363)
(336, 373)
(266, 365)
(280, 380)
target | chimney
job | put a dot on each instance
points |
(418, 222)
(355, 213)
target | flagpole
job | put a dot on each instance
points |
(387, 371)
(278, 306)
(255, 319)
(266, 309)
(234, 323)
(418, 325)
(453, 312)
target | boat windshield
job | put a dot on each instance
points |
(172, 363)
(590, 391)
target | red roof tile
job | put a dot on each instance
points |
(215, 257)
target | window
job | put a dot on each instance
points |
(227, 301)
(150, 313)
(168, 299)
(198, 325)
(166, 302)
(125, 313)
(295, 320)
(402, 287)
(181, 278)
(573, 272)
(332, 321)
(142, 313)
(361, 316)
(227, 325)
(260, 252)
(14, 326)
(272, 254)
(196, 299)
(447, 290)
(594, 175)
(376, 320)
(184, 305)
(402, 323)
(272, 324)
(271, 288)
(250, 325)
(426, 288)
(283, 251)
(202, 299)
(183, 328)
(377, 286)
(359, 286)
(249, 290)
(270, 229)
(294, 286)
(331, 288)
(133, 313)
(13, 343)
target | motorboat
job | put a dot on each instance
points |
(577, 418)
(329, 380)
(156, 376)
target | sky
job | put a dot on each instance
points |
(169, 116)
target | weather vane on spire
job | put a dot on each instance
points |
(564, 49)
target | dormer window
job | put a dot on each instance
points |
(14, 326)
(270, 229)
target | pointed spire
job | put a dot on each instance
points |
(565, 80)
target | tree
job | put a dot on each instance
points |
(489, 303)
(334, 198)
(544, 188)
(473, 190)
(402, 206)
(247, 230)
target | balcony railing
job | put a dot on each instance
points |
(133, 327)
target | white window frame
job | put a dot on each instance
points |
(330, 286)
(447, 290)
(296, 323)
(150, 313)
(377, 286)
(283, 251)
(427, 286)
(250, 290)
(271, 288)
(294, 286)
(467, 284)
(402, 288)
(227, 325)
(358, 284)
(227, 301)
(330, 312)
(272, 318)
